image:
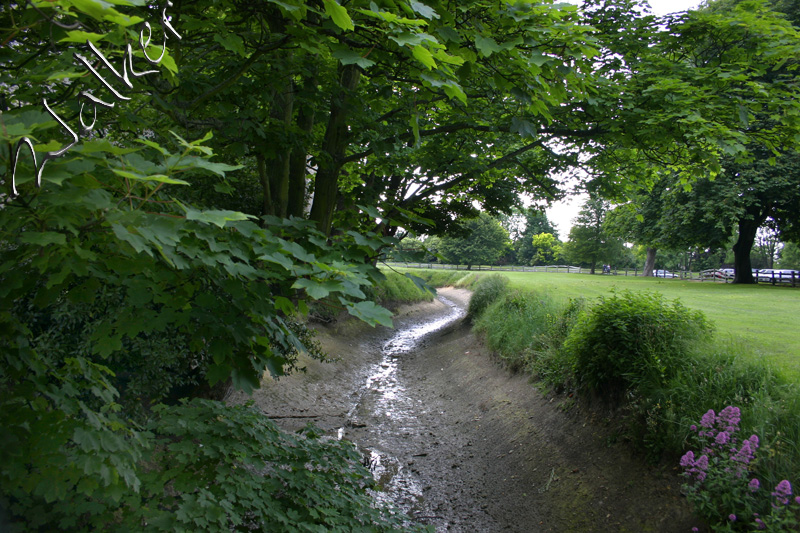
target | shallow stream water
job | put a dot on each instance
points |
(386, 411)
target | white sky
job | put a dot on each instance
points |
(562, 213)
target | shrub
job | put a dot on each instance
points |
(632, 339)
(202, 466)
(486, 291)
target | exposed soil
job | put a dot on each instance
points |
(460, 443)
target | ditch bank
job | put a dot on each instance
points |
(458, 442)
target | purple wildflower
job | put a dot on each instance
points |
(745, 454)
(783, 491)
(754, 485)
(687, 460)
(708, 419)
(722, 438)
(732, 517)
(693, 427)
(731, 417)
(797, 500)
(702, 464)
(753, 442)
(760, 524)
(695, 529)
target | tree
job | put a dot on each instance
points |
(536, 222)
(546, 249)
(790, 256)
(589, 241)
(484, 242)
(747, 191)
(765, 248)
(640, 221)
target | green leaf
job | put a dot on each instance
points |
(43, 238)
(278, 258)
(217, 373)
(486, 45)
(79, 36)
(426, 11)
(339, 15)
(297, 251)
(424, 56)
(216, 217)
(284, 305)
(314, 289)
(370, 313)
(232, 42)
(350, 57)
(159, 178)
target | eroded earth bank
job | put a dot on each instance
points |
(459, 442)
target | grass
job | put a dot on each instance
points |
(766, 317)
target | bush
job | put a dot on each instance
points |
(630, 340)
(487, 290)
(202, 466)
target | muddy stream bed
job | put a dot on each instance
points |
(458, 442)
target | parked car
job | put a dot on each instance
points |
(770, 275)
(664, 274)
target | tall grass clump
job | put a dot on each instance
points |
(399, 288)
(548, 361)
(516, 325)
(447, 278)
(486, 290)
(632, 340)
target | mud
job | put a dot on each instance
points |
(460, 443)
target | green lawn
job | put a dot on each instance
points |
(766, 316)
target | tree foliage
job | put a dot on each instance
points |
(536, 222)
(546, 249)
(483, 243)
(164, 240)
(590, 243)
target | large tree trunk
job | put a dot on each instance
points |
(277, 166)
(650, 261)
(326, 182)
(741, 250)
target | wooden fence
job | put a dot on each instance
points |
(719, 276)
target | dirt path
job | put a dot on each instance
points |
(460, 443)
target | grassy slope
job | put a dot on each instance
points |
(767, 316)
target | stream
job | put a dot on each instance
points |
(386, 412)
(458, 442)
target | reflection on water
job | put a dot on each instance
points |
(392, 413)
(383, 378)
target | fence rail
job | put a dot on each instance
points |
(713, 275)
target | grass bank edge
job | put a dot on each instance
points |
(533, 332)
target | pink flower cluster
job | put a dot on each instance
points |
(719, 432)
(724, 461)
